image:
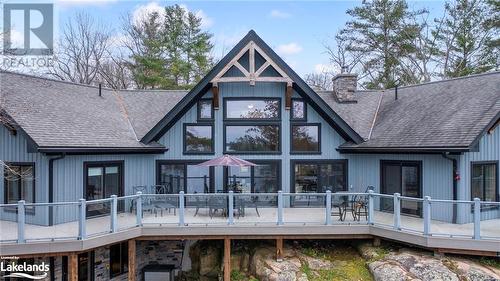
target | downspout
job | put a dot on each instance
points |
(51, 185)
(455, 183)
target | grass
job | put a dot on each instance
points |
(347, 263)
(240, 276)
(490, 261)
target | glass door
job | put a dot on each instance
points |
(102, 181)
(401, 177)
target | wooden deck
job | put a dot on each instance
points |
(296, 221)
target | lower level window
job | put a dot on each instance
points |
(19, 179)
(86, 266)
(320, 177)
(118, 259)
(484, 183)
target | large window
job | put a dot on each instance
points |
(198, 139)
(19, 182)
(263, 178)
(305, 138)
(310, 176)
(86, 264)
(252, 139)
(102, 179)
(252, 108)
(484, 181)
(118, 259)
(186, 176)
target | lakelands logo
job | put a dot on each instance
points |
(18, 270)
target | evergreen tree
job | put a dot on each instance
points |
(465, 39)
(381, 30)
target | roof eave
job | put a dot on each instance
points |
(403, 150)
(101, 150)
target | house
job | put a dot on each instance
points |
(63, 142)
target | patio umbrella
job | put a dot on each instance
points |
(227, 161)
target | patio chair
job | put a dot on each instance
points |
(161, 203)
(360, 205)
(216, 203)
(339, 207)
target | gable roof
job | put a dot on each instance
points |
(65, 117)
(448, 115)
(299, 85)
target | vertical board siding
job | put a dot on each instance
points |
(437, 182)
(13, 148)
(330, 139)
(489, 150)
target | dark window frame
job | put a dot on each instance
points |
(121, 245)
(28, 210)
(497, 192)
(254, 123)
(185, 163)
(198, 110)
(104, 164)
(91, 266)
(294, 152)
(318, 162)
(225, 118)
(252, 173)
(304, 119)
(184, 143)
(420, 178)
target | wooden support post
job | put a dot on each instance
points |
(73, 267)
(279, 249)
(227, 259)
(215, 98)
(131, 260)
(288, 96)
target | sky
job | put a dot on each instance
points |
(297, 31)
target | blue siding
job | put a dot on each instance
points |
(489, 150)
(14, 149)
(330, 139)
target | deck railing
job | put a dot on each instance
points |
(84, 219)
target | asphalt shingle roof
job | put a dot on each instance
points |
(62, 114)
(450, 113)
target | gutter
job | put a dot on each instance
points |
(51, 184)
(455, 183)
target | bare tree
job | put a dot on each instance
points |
(115, 73)
(340, 56)
(319, 81)
(82, 50)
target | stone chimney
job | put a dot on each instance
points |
(344, 86)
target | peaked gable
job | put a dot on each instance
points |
(253, 70)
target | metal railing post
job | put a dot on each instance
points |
(477, 218)
(181, 208)
(397, 211)
(328, 208)
(138, 208)
(82, 218)
(114, 213)
(230, 215)
(427, 215)
(21, 217)
(370, 207)
(280, 208)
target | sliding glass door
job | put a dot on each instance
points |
(102, 179)
(403, 177)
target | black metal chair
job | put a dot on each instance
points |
(360, 205)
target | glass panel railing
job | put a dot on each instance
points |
(383, 213)
(126, 212)
(98, 214)
(349, 208)
(8, 223)
(160, 209)
(206, 209)
(490, 220)
(64, 223)
(411, 214)
(304, 208)
(451, 219)
(255, 209)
